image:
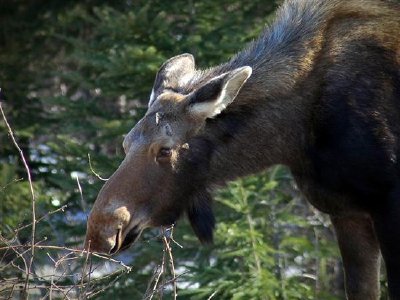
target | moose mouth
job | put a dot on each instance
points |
(130, 238)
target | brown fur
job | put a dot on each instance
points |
(319, 92)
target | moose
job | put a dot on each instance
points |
(319, 92)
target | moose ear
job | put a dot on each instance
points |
(201, 217)
(172, 73)
(213, 97)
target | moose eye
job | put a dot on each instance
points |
(164, 153)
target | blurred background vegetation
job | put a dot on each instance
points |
(77, 77)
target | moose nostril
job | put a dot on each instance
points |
(117, 242)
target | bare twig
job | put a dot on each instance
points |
(91, 295)
(93, 171)
(11, 292)
(15, 254)
(84, 271)
(32, 196)
(62, 208)
(160, 271)
(83, 203)
(10, 183)
(81, 251)
(212, 295)
(167, 241)
(161, 287)
(19, 259)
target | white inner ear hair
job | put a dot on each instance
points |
(186, 78)
(211, 108)
(152, 98)
(228, 93)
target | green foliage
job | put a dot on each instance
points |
(264, 247)
(78, 77)
(15, 198)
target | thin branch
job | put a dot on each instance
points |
(84, 271)
(167, 246)
(62, 282)
(212, 295)
(93, 171)
(11, 292)
(2, 188)
(32, 196)
(62, 208)
(160, 271)
(81, 251)
(83, 203)
(162, 287)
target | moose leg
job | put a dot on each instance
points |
(387, 227)
(360, 254)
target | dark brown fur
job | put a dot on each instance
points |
(319, 92)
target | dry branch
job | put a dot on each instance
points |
(33, 198)
(25, 279)
(71, 274)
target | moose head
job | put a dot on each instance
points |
(165, 170)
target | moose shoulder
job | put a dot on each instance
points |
(319, 91)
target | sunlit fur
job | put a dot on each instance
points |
(323, 99)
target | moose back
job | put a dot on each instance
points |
(318, 91)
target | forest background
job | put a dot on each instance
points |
(76, 76)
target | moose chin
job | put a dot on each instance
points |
(319, 92)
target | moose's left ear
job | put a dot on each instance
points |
(201, 217)
(213, 97)
(173, 73)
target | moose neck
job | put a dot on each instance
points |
(249, 138)
(269, 121)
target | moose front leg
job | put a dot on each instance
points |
(387, 226)
(361, 256)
